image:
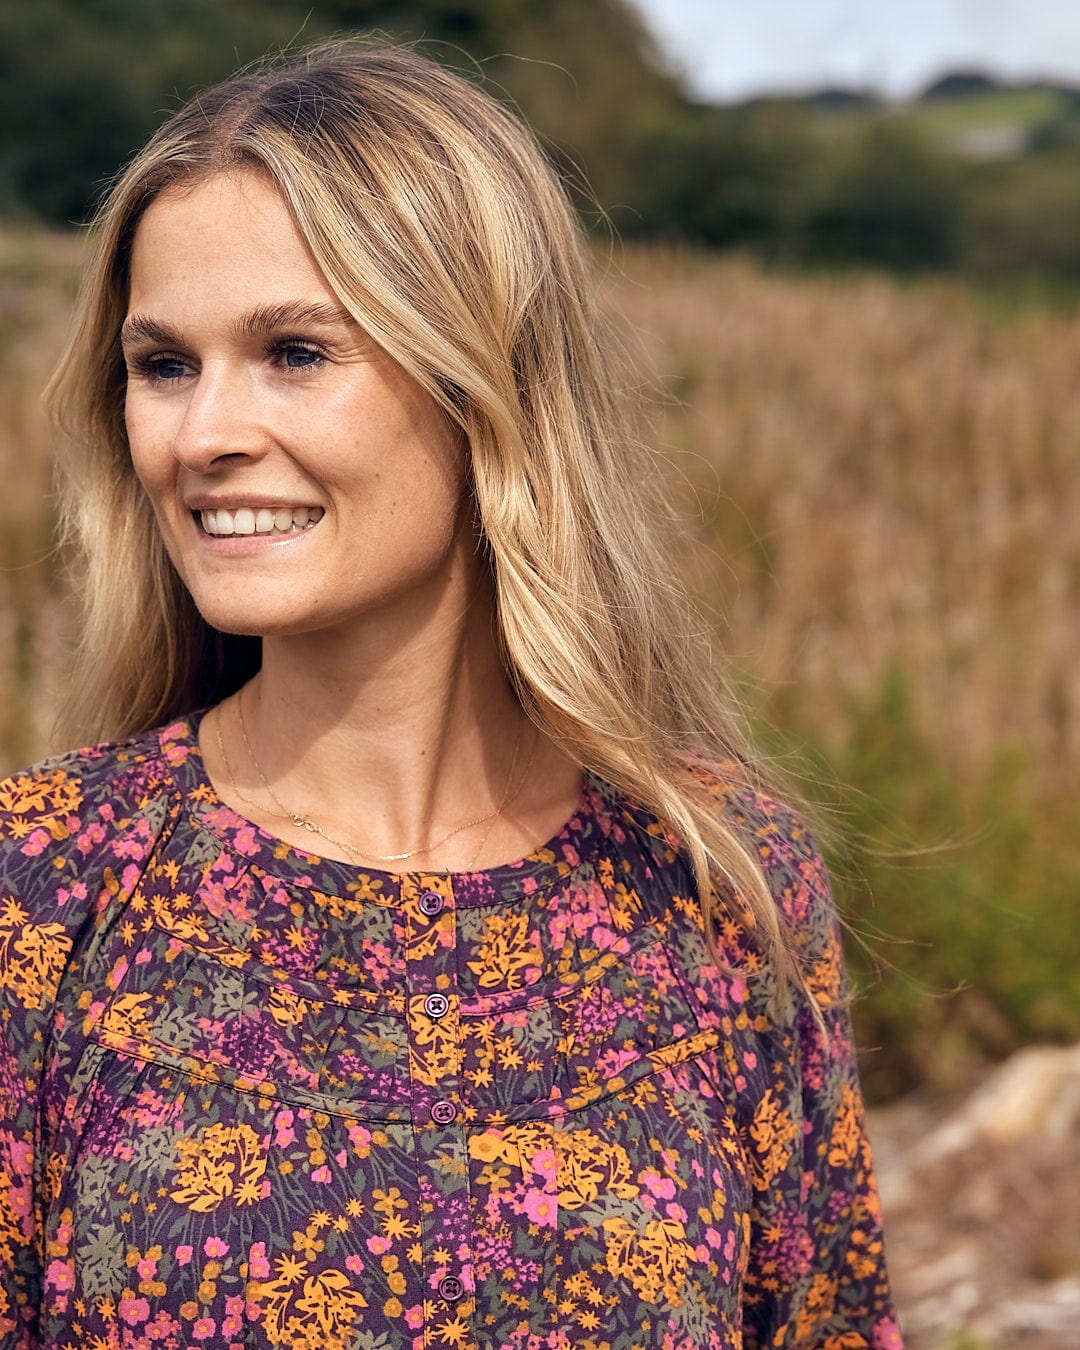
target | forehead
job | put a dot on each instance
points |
(227, 240)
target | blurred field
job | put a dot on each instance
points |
(883, 499)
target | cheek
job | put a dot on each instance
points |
(145, 440)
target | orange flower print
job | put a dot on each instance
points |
(222, 1162)
(774, 1133)
(32, 956)
(845, 1141)
(507, 951)
(654, 1258)
(589, 1166)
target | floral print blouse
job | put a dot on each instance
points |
(253, 1098)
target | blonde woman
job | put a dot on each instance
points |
(421, 960)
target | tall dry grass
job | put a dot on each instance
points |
(880, 475)
(38, 276)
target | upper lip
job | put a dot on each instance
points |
(234, 501)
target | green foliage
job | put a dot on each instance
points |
(720, 177)
(888, 200)
(83, 83)
(961, 900)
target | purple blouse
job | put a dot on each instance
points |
(249, 1097)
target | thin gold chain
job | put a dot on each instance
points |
(356, 854)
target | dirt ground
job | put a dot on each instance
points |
(983, 1233)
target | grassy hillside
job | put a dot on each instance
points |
(881, 500)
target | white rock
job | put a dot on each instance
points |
(1034, 1094)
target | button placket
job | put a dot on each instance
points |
(434, 1068)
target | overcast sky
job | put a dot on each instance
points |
(730, 48)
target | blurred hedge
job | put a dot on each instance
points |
(828, 180)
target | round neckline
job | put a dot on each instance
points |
(575, 840)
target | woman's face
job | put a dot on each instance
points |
(300, 478)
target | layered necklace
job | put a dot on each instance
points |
(352, 851)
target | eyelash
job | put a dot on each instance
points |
(150, 365)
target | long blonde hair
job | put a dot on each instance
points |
(445, 233)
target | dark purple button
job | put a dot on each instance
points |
(431, 903)
(451, 1288)
(436, 1006)
(442, 1113)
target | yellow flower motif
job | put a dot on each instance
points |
(654, 1260)
(773, 1133)
(128, 1016)
(588, 1166)
(32, 956)
(846, 1133)
(505, 953)
(222, 1162)
(57, 795)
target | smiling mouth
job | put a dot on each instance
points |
(280, 520)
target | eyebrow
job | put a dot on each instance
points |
(261, 320)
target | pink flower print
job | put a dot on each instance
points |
(147, 1268)
(414, 1317)
(60, 1275)
(257, 1262)
(204, 1328)
(377, 1245)
(887, 1335)
(93, 834)
(541, 1208)
(322, 1175)
(214, 1247)
(36, 843)
(231, 1325)
(661, 1187)
(77, 892)
(354, 1263)
(244, 841)
(174, 754)
(542, 1163)
(183, 1256)
(284, 1134)
(133, 1310)
(676, 1212)
(360, 1140)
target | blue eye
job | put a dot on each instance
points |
(300, 357)
(159, 369)
(167, 368)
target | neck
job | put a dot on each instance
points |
(389, 736)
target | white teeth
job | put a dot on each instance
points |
(261, 520)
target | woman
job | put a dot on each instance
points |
(307, 1037)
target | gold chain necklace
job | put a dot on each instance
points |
(357, 855)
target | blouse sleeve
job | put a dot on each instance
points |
(816, 1278)
(37, 917)
(71, 841)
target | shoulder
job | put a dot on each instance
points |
(783, 844)
(78, 816)
(776, 834)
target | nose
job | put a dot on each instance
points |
(221, 425)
